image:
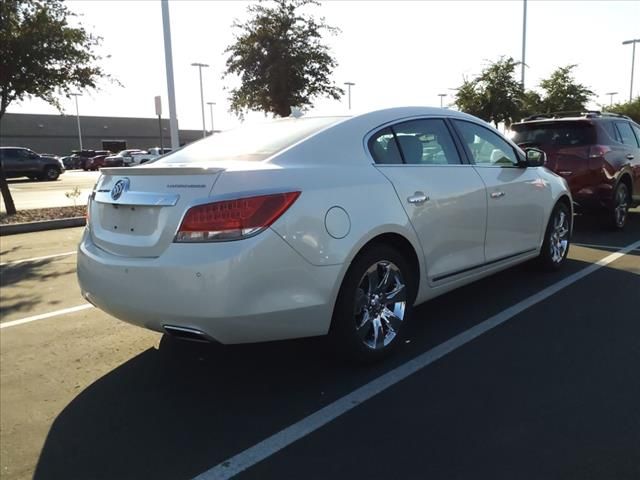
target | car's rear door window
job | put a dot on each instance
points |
(612, 131)
(415, 142)
(426, 142)
(628, 138)
(384, 149)
(636, 130)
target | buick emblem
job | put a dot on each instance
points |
(119, 188)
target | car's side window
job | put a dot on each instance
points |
(384, 149)
(610, 128)
(486, 147)
(636, 130)
(22, 154)
(426, 142)
(628, 138)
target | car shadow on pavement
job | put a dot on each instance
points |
(176, 411)
(589, 229)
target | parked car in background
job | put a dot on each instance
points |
(22, 162)
(597, 153)
(79, 158)
(113, 161)
(95, 163)
(123, 157)
(312, 226)
(144, 156)
(68, 162)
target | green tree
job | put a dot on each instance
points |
(494, 95)
(561, 92)
(280, 59)
(42, 56)
(631, 109)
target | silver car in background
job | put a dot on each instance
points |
(310, 226)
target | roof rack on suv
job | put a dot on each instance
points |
(573, 113)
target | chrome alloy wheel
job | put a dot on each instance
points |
(380, 303)
(559, 237)
(621, 206)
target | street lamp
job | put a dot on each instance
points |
(442, 95)
(633, 61)
(611, 94)
(200, 67)
(78, 117)
(211, 104)
(349, 85)
(524, 40)
(171, 90)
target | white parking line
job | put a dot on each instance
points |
(594, 245)
(35, 259)
(42, 316)
(313, 422)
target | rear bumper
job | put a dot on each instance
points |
(594, 199)
(253, 290)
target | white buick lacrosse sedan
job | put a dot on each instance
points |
(312, 226)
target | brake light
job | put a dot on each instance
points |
(233, 219)
(598, 151)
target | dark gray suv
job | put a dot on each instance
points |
(22, 162)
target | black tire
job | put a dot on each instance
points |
(50, 174)
(554, 252)
(616, 218)
(357, 303)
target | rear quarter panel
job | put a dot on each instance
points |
(366, 196)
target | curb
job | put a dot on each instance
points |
(12, 229)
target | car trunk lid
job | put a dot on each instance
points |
(135, 212)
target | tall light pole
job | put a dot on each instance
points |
(633, 62)
(349, 85)
(524, 39)
(168, 58)
(211, 104)
(442, 95)
(78, 118)
(611, 94)
(200, 67)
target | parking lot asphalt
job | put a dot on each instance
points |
(28, 194)
(552, 393)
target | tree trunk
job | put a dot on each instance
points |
(4, 187)
(6, 194)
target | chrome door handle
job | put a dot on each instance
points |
(629, 156)
(417, 198)
(497, 194)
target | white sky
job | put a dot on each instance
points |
(397, 52)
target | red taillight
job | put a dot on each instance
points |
(233, 219)
(598, 151)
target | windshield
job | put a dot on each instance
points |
(563, 134)
(250, 142)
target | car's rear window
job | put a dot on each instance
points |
(250, 142)
(562, 134)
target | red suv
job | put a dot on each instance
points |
(597, 153)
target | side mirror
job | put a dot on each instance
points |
(535, 157)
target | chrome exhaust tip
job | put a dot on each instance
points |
(186, 333)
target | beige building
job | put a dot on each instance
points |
(58, 134)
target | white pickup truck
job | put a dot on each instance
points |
(144, 156)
